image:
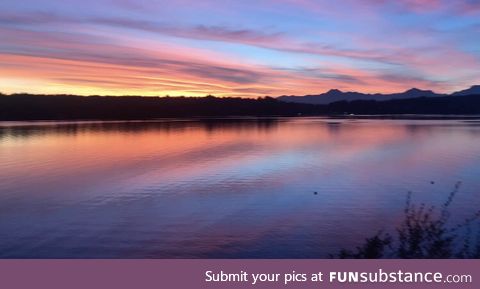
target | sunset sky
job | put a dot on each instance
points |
(237, 48)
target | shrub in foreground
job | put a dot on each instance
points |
(425, 233)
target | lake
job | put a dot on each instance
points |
(231, 188)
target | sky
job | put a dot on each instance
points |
(237, 48)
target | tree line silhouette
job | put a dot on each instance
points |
(51, 107)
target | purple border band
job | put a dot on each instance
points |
(146, 274)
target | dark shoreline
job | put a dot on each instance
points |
(25, 107)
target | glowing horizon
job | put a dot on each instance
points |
(237, 48)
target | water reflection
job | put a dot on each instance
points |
(28, 129)
(222, 188)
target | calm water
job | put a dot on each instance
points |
(223, 189)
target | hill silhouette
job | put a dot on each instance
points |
(472, 90)
(335, 95)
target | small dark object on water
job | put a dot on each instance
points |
(315, 193)
(432, 182)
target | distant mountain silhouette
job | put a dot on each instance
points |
(472, 90)
(335, 95)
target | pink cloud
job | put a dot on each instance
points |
(145, 63)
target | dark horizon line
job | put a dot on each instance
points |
(212, 95)
(69, 107)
